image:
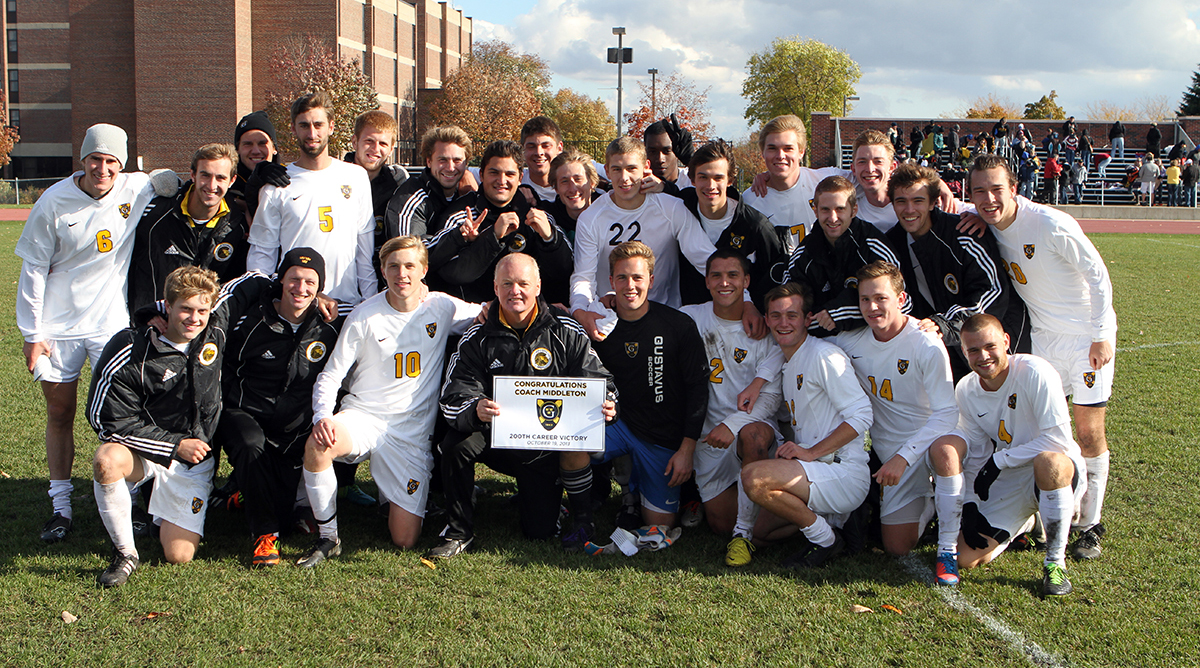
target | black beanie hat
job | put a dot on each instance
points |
(303, 257)
(255, 120)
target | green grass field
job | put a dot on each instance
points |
(516, 603)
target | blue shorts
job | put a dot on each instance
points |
(649, 462)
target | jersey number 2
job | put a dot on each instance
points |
(408, 364)
(635, 228)
(714, 376)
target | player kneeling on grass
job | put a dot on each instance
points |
(1022, 457)
(743, 396)
(154, 402)
(523, 336)
(389, 356)
(906, 373)
(816, 481)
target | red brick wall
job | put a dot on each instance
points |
(277, 21)
(102, 68)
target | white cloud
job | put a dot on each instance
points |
(919, 59)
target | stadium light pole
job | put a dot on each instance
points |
(845, 100)
(620, 56)
(653, 72)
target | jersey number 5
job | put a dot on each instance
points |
(326, 219)
(408, 364)
(103, 241)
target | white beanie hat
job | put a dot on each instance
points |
(106, 139)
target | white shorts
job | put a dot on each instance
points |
(180, 493)
(400, 469)
(68, 355)
(836, 489)
(718, 469)
(1147, 186)
(1013, 497)
(898, 502)
(1068, 354)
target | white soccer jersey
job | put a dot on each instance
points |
(77, 249)
(821, 392)
(792, 208)
(882, 217)
(735, 360)
(911, 389)
(1058, 272)
(328, 210)
(545, 192)
(394, 361)
(1026, 416)
(662, 222)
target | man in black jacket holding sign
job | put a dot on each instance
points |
(523, 336)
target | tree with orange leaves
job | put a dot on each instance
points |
(672, 94)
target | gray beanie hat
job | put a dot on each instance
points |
(106, 139)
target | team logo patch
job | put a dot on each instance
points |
(517, 243)
(197, 505)
(951, 284)
(549, 411)
(208, 353)
(812, 204)
(631, 348)
(1029, 251)
(902, 366)
(739, 355)
(346, 192)
(540, 359)
(431, 329)
(223, 251)
(1012, 400)
(799, 381)
(736, 240)
(1089, 378)
(413, 484)
(315, 352)
(125, 209)
(852, 283)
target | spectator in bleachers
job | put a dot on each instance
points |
(1078, 179)
(1050, 143)
(1178, 151)
(1147, 176)
(1191, 174)
(1020, 143)
(893, 135)
(1064, 183)
(1174, 180)
(1116, 136)
(914, 141)
(1000, 132)
(1153, 140)
(1050, 177)
(1101, 161)
(952, 142)
(1070, 147)
(1085, 148)
(1069, 127)
(1025, 175)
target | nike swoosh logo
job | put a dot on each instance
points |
(855, 357)
(981, 414)
(383, 339)
(73, 224)
(297, 197)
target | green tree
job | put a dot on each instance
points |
(1190, 106)
(306, 64)
(1045, 108)
(798, 76)
(581, 118)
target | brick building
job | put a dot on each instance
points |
(72, 63)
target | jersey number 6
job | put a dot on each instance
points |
(103, 241)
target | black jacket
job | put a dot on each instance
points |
(829, 271)
(416, 207)
(558, 211)
(465, 269)
(472, 368)
(165, 240)
(749, 233)
(1117, 130)
(966, 276)
(270, 369)
(148, 396)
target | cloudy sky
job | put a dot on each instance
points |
(919, 59)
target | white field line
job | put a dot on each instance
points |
(1173, 243)
(1147, 346)
(953, 598)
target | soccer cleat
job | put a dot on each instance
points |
(142, 522)
(946, 569)
(355, 495)
(629, 517)
(1024, 543)
(321, 550)
(56, 529)
(739, 553)
(226, 496)
(576, 541)
(1087, 546)
(118, 571)
(1054, 580)
(691, 515)
(817, 557)
(450, 547)
(266, 551)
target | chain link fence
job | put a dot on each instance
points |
(24, 192)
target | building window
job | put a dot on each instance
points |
(13, 81)
(15, 121)
(12, 41)
(12, 11)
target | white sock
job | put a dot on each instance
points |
(948, 497)
(322, 495)
(1097, 484)
(1056, 507)
(819, 532)
(114, 503)
(747, 514)
(60, 496)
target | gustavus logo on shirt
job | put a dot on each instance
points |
(125, 209)
(739, 355)
(549, 412)
(799, 381)
(208, 353)
(315, 351)
(346, 192)
(1029, 251)
(517, 243)
(631, 348)
(1012, 400)
(1089, 378)
(851, 282)
(413, 484)
(197, 505)
(902, 366)
(951, 284)
(540, 359)
(431, 329)
(223, 251)
(736, 240)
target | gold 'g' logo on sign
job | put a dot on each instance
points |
(549, 411)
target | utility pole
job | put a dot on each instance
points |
(653, 94)
(620, 56)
